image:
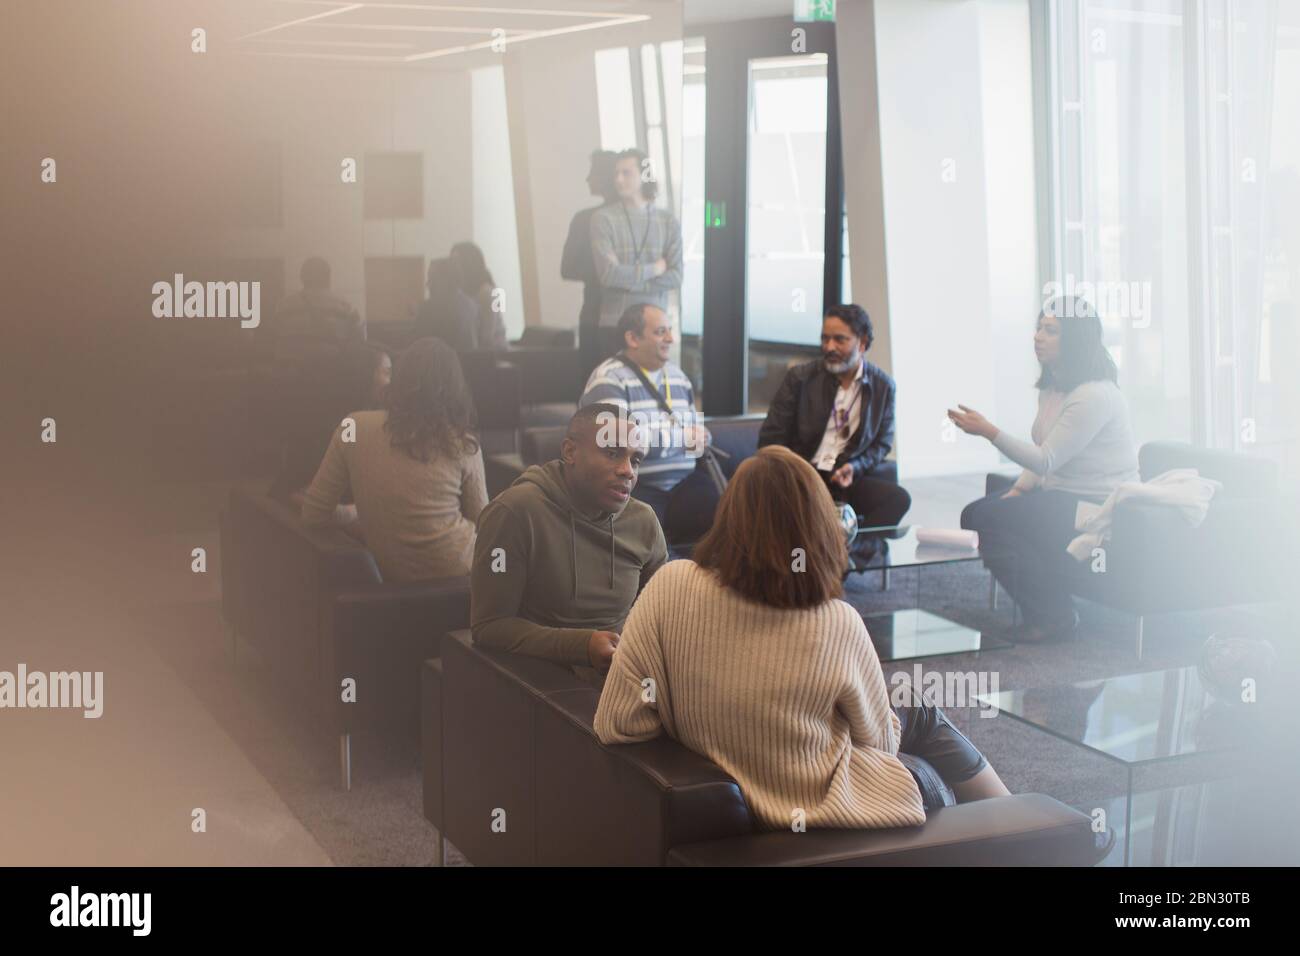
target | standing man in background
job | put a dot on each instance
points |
(577, 264)
(636, 248)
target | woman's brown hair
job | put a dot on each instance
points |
(430, 411)
(776, 537)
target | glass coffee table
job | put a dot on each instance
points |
(1153, 724)
(912, 632)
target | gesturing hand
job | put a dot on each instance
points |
(843, 475)
(973, 423)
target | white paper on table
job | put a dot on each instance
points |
(949, 537)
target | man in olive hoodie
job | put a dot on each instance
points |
(562, 553)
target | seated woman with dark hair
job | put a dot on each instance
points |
(747, 655)
(476, 281)
(1082, 450)
(448, 313)
(415, 470)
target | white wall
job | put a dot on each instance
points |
(935, 230)
(320, 115)
(555, 124)
(1014, 299)
(938, 152)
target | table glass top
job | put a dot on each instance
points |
(1134, 718)
(901, 547)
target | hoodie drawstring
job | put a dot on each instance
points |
(573, 552)
(573, 546)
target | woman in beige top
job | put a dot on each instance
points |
(414, 468)
(747, 655)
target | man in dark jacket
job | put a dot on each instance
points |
(838, 413)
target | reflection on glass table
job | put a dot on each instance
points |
(913, 632)
(1136, 721)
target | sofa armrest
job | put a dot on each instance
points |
(636, 801)
(997, 484)
(490, 703)
(1021, 830)
(379, 636)
(1156, 561)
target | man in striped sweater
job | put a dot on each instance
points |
(657, 395)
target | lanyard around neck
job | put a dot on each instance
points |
(637, 248)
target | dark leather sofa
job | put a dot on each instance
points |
(514, 775)
(1243, 553)
(313, 604)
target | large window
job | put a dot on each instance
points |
(1120, 235)
(614, 94)
(1175, 163)
(692, 187)
(494, 208)
(786, 221)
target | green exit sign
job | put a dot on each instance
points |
(810, 11)
(715, 215)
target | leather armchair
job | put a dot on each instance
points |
(1156, 563)
(314, 605)
(514, 775)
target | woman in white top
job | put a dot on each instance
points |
(747, 655)
(1082, 450)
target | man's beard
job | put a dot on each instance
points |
(839, 368)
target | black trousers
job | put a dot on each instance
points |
(1023, 540)
(686, 510)
(880, 503)
(589, 340)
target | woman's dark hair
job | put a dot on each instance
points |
(471, 268)
(429, 405)
(777, 537)
(441, 280)
(650, 187)
(1083, 355)
(856, 318)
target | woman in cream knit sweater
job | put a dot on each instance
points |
(747, 656)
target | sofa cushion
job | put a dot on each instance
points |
(1028, 829)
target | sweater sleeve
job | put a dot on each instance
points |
(473, 486)
(329, 485)
(1086, 412)
(610, 272)
(672, 256)
(628, 711)
(865, 698)
(495, 595)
